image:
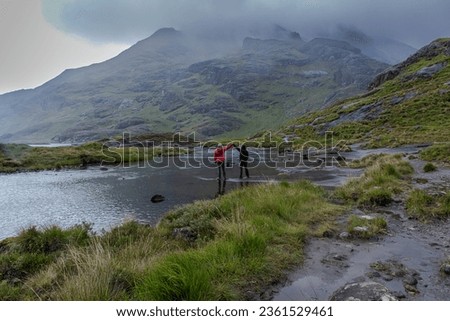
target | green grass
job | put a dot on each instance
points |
(240, 244)
(425, 207)
(366, 228)
(41, 158)
(8, 155)
(10, 293)
(51, 239)
(376, 196)
(105, 269)
(385, 177)
(32, 251)
(12, 151)
(437, 152)
(178, 277)
(366, 161)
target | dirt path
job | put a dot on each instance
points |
(406, 261)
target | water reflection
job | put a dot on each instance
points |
(221, 187)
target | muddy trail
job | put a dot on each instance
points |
(403, 264)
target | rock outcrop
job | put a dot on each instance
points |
(434, 49)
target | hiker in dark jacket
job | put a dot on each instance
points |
(243, 160)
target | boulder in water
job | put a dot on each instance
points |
(446, 268)
(157, 198)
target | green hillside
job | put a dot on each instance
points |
(407, 104)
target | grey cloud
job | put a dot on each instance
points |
(412, 21)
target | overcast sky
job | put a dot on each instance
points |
(41, 38)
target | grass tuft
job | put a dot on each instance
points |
(376, 197)
(429, 167)
(366, 228)
(384, 177)
(437, 152)
(181, 276)
(10, 293)
(424, 206)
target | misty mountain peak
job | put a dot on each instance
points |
(352, 35)
(317, 44)
(380, 48)
(275, 38)
(160, 38)
(274, 32)
(283, 34)
(165, 33)
(259, 45)
(166, 42)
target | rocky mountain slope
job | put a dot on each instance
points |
(171, 82)
(408, 103)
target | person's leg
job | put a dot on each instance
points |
(246, 169)
(223, 169)
(219, 165)
(240, 170)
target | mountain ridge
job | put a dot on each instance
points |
(171, 82)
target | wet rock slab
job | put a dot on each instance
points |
(363, 291)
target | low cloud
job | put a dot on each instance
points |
(411, 21)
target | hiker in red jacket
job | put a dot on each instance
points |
(219, 159)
